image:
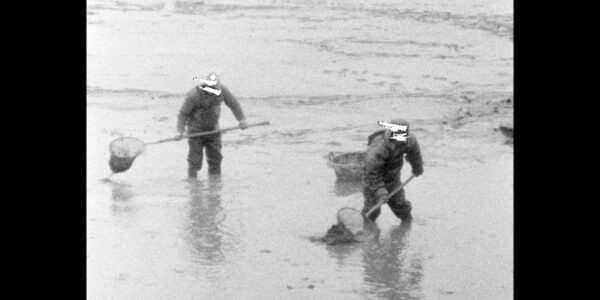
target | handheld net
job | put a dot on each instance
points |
(351, 219)
(350, 225)
(123, 152)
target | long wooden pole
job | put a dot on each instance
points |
(177, 138)
(380, 203)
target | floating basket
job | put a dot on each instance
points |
(347, 166)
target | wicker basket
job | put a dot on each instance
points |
(347, 166)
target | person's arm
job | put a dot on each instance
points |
(413, 156)
(235, 106)
(185, 111)
(374, 165)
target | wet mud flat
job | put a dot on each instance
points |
(323, 74)
(250, 235)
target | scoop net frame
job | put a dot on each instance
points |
(124, 150)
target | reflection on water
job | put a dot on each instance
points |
(347, 188)
(389, 270)
(342, 250)
(121, 194)
(204, 233)
(121, 191)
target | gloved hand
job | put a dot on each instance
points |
(382, 194)
(243, 124)
(384, 199)
(179, 137)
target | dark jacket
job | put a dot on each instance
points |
(201, 109)
(385, 158)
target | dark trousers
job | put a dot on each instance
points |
(397, 203)
(213, 146)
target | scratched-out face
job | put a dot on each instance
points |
(211, 80)
(399, 131)
(400, 135)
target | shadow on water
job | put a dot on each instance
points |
(347, 188)
(205, 215)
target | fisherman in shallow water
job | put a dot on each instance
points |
(200, 112)
(386, 151)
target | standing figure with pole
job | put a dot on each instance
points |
(200, 112)
(386, 151)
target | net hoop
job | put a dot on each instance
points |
(352, 219)
(127, 147)
(123, 152)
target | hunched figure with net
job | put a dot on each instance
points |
(386, 151)
(200, 112)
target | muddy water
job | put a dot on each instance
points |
(322, 72)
